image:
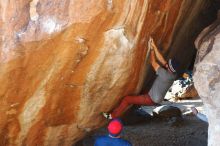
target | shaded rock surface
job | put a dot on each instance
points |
(62, 62)
(207, 77)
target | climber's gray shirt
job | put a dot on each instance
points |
(161, 84)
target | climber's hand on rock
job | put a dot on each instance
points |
(153, 44)
(150, 43)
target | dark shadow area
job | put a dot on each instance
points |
(182, 47)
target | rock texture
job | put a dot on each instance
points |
(207, 77)
(62, 62)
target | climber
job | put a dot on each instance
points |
(199, 115)
(115, 128)
(166, 74)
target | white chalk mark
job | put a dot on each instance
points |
(51, 25)
(109, 4)
(33, 10)
(80, 40)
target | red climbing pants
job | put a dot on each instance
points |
(129, 100)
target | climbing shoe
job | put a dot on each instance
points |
(107, 115)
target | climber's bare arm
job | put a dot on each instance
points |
(154, 63)
(158, 54)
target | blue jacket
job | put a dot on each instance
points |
(108, 141)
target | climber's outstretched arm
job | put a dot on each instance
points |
(159, 56)
(153, 61)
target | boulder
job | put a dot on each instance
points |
(182, 88)
(63, 62)
(207, 77)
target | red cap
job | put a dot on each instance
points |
(115, 127)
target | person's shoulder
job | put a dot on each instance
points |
(161, 70)
(126, 142)
(100, 140)
(102, 137)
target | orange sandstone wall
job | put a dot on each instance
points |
(62, 62)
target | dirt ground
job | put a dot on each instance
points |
(190, 131)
